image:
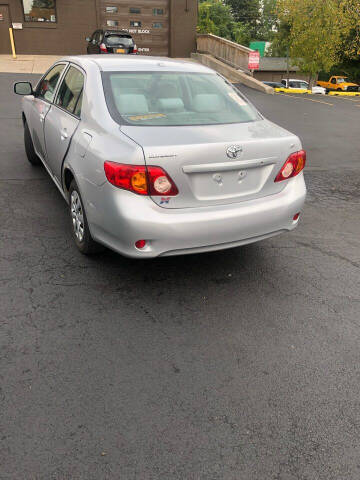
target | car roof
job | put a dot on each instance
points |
(296, 80)
(114, 63)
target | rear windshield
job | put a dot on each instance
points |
(169, 99)
(124, 40)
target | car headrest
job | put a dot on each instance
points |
(170, 104)
(208, 103)
(166, 90)
(132, 104)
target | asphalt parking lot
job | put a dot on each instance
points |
(235, 365)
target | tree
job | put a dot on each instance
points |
(268, 21)
(215, 17)
(317, 31)
(245, 11)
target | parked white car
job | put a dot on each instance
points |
(294, 83)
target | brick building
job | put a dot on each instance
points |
(59, 27)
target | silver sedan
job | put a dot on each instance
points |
(158, 157)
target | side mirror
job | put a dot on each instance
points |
(23, 88)
(88, 39)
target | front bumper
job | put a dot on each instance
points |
(119, 218)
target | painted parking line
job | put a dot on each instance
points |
(308, 99)
(356, 100)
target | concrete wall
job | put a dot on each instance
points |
(183, 22)
(75, 20)
(232, 74)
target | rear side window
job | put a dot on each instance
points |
(47, 86)
(70, 92)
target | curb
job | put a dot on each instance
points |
(345, 94)
(293, 90)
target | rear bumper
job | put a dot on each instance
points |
(124, 218)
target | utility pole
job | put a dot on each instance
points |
(287, 64)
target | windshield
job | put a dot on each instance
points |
(172, 98)
(119, 40)
(341, 80)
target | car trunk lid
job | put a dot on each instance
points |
(216, 164)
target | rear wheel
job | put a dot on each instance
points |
(29, 147)
(80, 227)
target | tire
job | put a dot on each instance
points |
(79, 223)
(29, 147)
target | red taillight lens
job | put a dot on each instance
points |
(293, 166)
(139, 179)
(129, 177)
(135, 50)
(103, 47)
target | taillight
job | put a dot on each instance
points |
(160, 183)
(135, 50)
(140, 179)
(103, 47)
(293, 166)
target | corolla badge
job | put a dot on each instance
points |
(234, 151)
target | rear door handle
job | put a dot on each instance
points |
(64, 134)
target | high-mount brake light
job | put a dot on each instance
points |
(140, 179)
(292, 167)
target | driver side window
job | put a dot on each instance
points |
(333, 80)
(47, 86)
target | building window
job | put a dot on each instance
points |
(134, 23)
(39, 10)
(135, 10)
(157, 25)
(112, 23)
(158, 11)
(111, 9)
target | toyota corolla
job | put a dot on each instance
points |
(158, 157)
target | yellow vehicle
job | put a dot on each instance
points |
(339, 84)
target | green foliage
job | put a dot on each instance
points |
(318, 33)
(268, 22)
(258, 16)
(215, 17)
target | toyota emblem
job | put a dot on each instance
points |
(233, 151)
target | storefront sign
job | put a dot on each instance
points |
(17, 26)
(144, 50)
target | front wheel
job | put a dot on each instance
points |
(80, 227)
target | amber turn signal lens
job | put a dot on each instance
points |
(139, 183)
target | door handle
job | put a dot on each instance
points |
(64, 134)
(42, 117)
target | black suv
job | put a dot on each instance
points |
(111, 41)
